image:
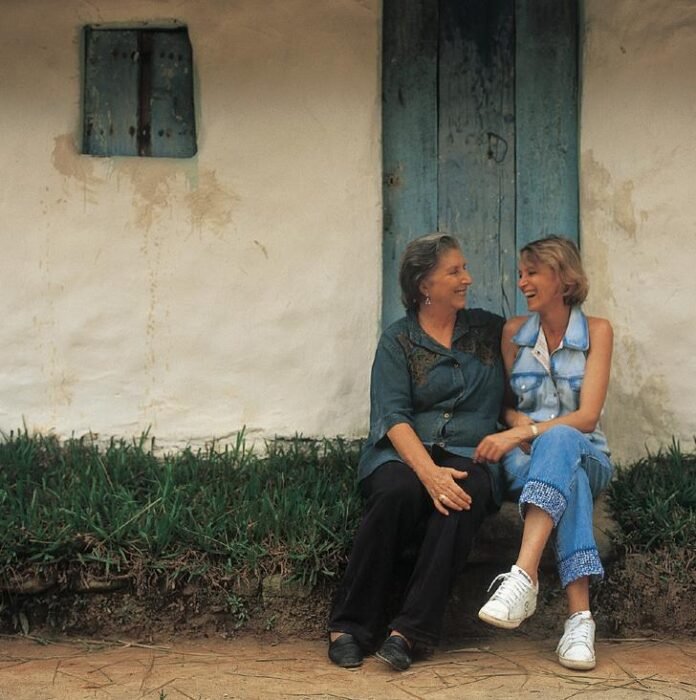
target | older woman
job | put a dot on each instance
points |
(558, 361)
(436, 391)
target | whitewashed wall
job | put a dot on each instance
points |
(197, 296)
(638, 208)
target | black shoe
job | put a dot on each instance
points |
(396, 652)
(345, 651)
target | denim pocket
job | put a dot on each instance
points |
(575, 383)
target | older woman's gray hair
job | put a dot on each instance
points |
(419, 259)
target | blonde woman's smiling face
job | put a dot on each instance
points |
(540, 284)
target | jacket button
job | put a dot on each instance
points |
(446, 415)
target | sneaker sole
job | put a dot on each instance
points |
(577, 665)
(497, 622)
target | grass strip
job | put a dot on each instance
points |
(654, 501)
(291, 509)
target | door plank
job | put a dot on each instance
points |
(547, 120)
(477, 142)
(409, 127)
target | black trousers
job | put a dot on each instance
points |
(399, 515)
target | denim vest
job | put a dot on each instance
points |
(542, 394)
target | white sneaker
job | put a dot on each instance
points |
(576, 648)
(513, 602)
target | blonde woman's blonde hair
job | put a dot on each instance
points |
(561, 255)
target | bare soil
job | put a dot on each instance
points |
(643, 595)
(651, 592)
(193, 612)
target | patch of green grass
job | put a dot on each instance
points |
(654, 501)
(237, 607)
(119, 508)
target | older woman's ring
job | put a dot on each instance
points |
(442, 497)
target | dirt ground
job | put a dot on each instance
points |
(252, 668)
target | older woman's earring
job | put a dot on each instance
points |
(428, 302)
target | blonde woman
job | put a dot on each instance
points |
(555, 457)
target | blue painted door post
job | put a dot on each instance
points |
(546, 115)
(479, 133)
(409, 135)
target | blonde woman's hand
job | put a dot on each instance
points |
(516, 419)
(495, 446)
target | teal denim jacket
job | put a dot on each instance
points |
(450, 397)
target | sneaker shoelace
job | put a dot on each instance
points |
(512, 587)
(578, 632)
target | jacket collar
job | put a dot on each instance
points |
(577, 336)
(420, 337)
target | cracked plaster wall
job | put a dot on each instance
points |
(638, 211)
(193, 297)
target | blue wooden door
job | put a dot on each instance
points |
(479, 133)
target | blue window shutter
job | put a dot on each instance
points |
(138, 92)
(110, 92)
(173, 119)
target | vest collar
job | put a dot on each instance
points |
(577, 336)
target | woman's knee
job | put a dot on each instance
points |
(559, 447)
(563, 435)
(477, 484)
(393, 486)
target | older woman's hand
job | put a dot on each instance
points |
(444, 490)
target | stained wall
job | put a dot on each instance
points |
(193, 297)
(638, 211)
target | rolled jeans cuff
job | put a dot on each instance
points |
(544, 496)
(585, 562)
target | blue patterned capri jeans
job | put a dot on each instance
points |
(563, 475)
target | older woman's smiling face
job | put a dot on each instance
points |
(448, 283)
